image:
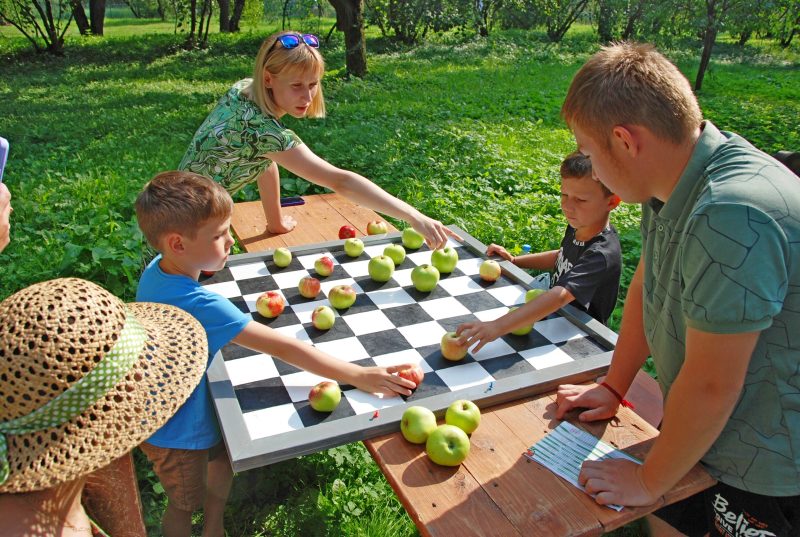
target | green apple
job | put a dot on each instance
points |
(412, 238)
(325, 396)
(270, 304)
(463, 414)
(417, 423)
(342, 297)
(396, 252)
(381, 268)
(353, 247)
(447, 445)
(525, 330)
(377, 227)
(324, 266)
(425, 278)
(530, 294)
(282, 257)
(445, 259)
(490, 270)
(323, 318)
(451, 348)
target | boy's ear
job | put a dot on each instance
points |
(614, 201)
(173, 242)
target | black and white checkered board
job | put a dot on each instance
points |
(263, 403)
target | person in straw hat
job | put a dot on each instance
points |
(84, 378)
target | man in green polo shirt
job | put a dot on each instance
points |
(715, 299)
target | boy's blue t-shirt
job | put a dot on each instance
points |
(194, 425)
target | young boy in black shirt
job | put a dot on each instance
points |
(587, 266)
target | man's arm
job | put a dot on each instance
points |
(699, 405)
(630, 353)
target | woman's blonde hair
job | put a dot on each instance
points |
(632, 83)
(274, 58)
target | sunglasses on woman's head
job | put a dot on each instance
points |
(291, 41)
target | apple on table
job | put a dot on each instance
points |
(270, 304)
(425, 278)
(523, 330)
(325, 396)
(490, 270)
(452, 349)
(412, 239)
(417, 423)
(347, 232)
(381, 268)
(463, 414)
(323, 318)
(353, 247)
(377, 227)
(445, 259)
(396, 252)
(414, 373)
(282, 257)
(342, 297)
(447, 445)
(324, 266)
(309, 286)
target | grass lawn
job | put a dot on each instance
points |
(465, 129)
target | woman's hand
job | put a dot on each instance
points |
(434, 231)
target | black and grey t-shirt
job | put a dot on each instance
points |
(590, 271)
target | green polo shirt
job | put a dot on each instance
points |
(722, 255)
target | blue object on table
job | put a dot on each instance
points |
(294, 200)
(526, 248)
(3, 156)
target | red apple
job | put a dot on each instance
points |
(377, 227)
(308, 286)
(270, 304)
(325, 396)
(324, 266)
(347, 232)
(207, 272)
(342, 297)
(413, 373)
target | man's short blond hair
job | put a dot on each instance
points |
(632, 84)
(180, 202)
(276, 59)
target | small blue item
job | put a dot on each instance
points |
(526, 248)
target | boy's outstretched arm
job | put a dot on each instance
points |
(370, 379)
(629, 356)
(711, 380)
(538, 261)
(527, 314)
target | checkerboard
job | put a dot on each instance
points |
(262, 402)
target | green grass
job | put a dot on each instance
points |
(465, 129)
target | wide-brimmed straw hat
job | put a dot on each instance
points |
(85, 377)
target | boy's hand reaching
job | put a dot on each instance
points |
(383, 380)
(600, 402)
(496, 249)
(478, 332)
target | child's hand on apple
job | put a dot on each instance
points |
(496, 249)
(478, 332)
(383, 380)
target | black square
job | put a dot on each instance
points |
(384, 342)
(291, 267)
(500, 282)
(342, 258)
(465, 253)
(433, 355)
(507, 366)
(407, 315)
(232, 351)
(338, 274)
(311, 417)
(262, 394)
(419, 296)
(480, 301)
(285, 368)
(531, 340)
(455, 274)
(368, 284)
(220, 276)
(431, 385)
(293, 296)
(363, 303)
(257, 285)
(581, 347)
(240, 303)
(287, 318)
(452, 324)
(339, 330)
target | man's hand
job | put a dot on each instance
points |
(602, 404)
(383, 380)
(477, 332)
(496, 249)
(616, 481)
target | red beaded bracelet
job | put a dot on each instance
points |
(624, 402)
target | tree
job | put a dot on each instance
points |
(485, 12)
(229, 22)
(42, 22)
(80, 17)
(559, 16)
(350, 21)
(97, 15)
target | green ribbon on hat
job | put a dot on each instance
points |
(81, 395)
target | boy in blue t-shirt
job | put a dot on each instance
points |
(587, 266)
(186, 217)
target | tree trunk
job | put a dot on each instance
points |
(350, 20)
(79, 15)
(224, 21)
(605, 12)
(709, 38)
(97, 14)
(633, 17)
(238, 9)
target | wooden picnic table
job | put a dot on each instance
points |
(496, 491)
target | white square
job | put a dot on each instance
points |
(348, 349)
(374, 250)
(357, 269)
(251, 369)
(299, 384)
(408, 356)
(308, 260)
(403, 277)
(326, 286)
(250, 300)
(510, 295)
(443, 308)
(295, 331)
(368, 322)
(422, 334)
(490, 315)
(363, 402)
(470, 266)
(462, 285)
(226, 289)
(289, 280)
(558, 329)
(271, 421)
(493, 349)
(420, 258)
(249, 270)
(464, 376)
(546, 356)
(390, 298)
(305, 309)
